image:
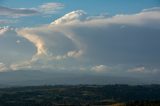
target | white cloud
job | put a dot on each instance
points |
(22, 65)
(137, 69)
(36, 40)
(46, 37)
(17, 12)
(18, 41)
(3, 67)
(101, 68)
(3, 30)
(152, 9)
(11, 52)
(73, 16)
(50, 8)
(144, 70)
(74, 53)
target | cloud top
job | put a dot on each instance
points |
(73, 16)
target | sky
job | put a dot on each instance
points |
(106, 37)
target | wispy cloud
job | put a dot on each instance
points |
(17, 12)
(143, 70)
(101, 68)
(36, 40)
(48, 8)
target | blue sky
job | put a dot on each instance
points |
(113, 6)
(110, 7)
(106, 37)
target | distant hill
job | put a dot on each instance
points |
(27, 78)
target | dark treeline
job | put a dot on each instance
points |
(78, 95)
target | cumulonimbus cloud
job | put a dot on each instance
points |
(121, 39)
